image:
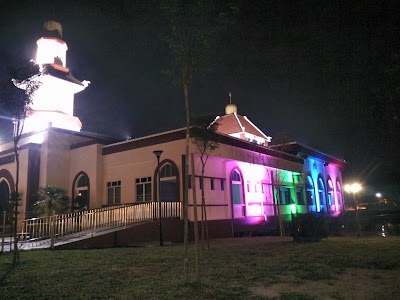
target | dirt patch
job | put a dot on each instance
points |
(352, 284)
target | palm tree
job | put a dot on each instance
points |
(51, 200)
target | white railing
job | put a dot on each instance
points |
(81, 223)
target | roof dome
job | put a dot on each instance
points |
(52, 29)
(230, 109)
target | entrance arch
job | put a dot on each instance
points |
(6, 187)
(5, 193)
(81, 192)
(169, 182)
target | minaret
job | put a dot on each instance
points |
(53, 103)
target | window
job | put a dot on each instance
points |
(114, 192)
(167, 171)
(310, 197)
(321, 193)
(248, 187)
(339, 193)
(310, 191)
(236, 176)
(268, 191)
(237, 188)
(222, 185)
(285, 196)
(300, 196)
(330, 192)
(143, 189)
(83, 181)
(212, 184)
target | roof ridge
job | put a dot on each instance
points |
(251, 123)
(240, 124)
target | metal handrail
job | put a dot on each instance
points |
(70, 225)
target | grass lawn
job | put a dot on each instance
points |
(240, 268)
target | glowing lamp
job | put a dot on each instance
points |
(353, 188)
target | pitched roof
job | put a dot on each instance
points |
(62, 73)
(180, 134)
(304, 151)
(234, 123)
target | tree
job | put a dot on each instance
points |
(51, 200)
(276, 183)
(203, 133)
(275, 176)
(193, 28)
(17, 92)
(79, 203)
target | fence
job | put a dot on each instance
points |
(75, 224)
(4, 230)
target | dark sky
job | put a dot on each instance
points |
(318, 72)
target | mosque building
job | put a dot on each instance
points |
(245, 178)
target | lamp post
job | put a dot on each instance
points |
(354, 188)
(158, 153)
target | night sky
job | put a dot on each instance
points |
(323, 73)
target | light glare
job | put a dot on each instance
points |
(353, 188)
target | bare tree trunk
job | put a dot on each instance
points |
(195, 223)
(204, 225)
(16, 200)
(202, 210)
(186, 192)
(278, 211)
(206, 228)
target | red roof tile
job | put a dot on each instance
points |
(234, 123)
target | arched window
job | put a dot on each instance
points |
(331, 195)
(321, 194)
(168, 182)
(310, 192)
(4, 195)
(339, 196)
(6, 187)
(81, 192)
(167, 171)
(236, 176)
(237, 194)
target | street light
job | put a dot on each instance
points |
(158, 153)
(354, 188)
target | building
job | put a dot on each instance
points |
(245, 179)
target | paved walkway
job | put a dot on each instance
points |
(46, 244)
(8, 244)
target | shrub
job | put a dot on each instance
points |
(310, 227)
(50, 200)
